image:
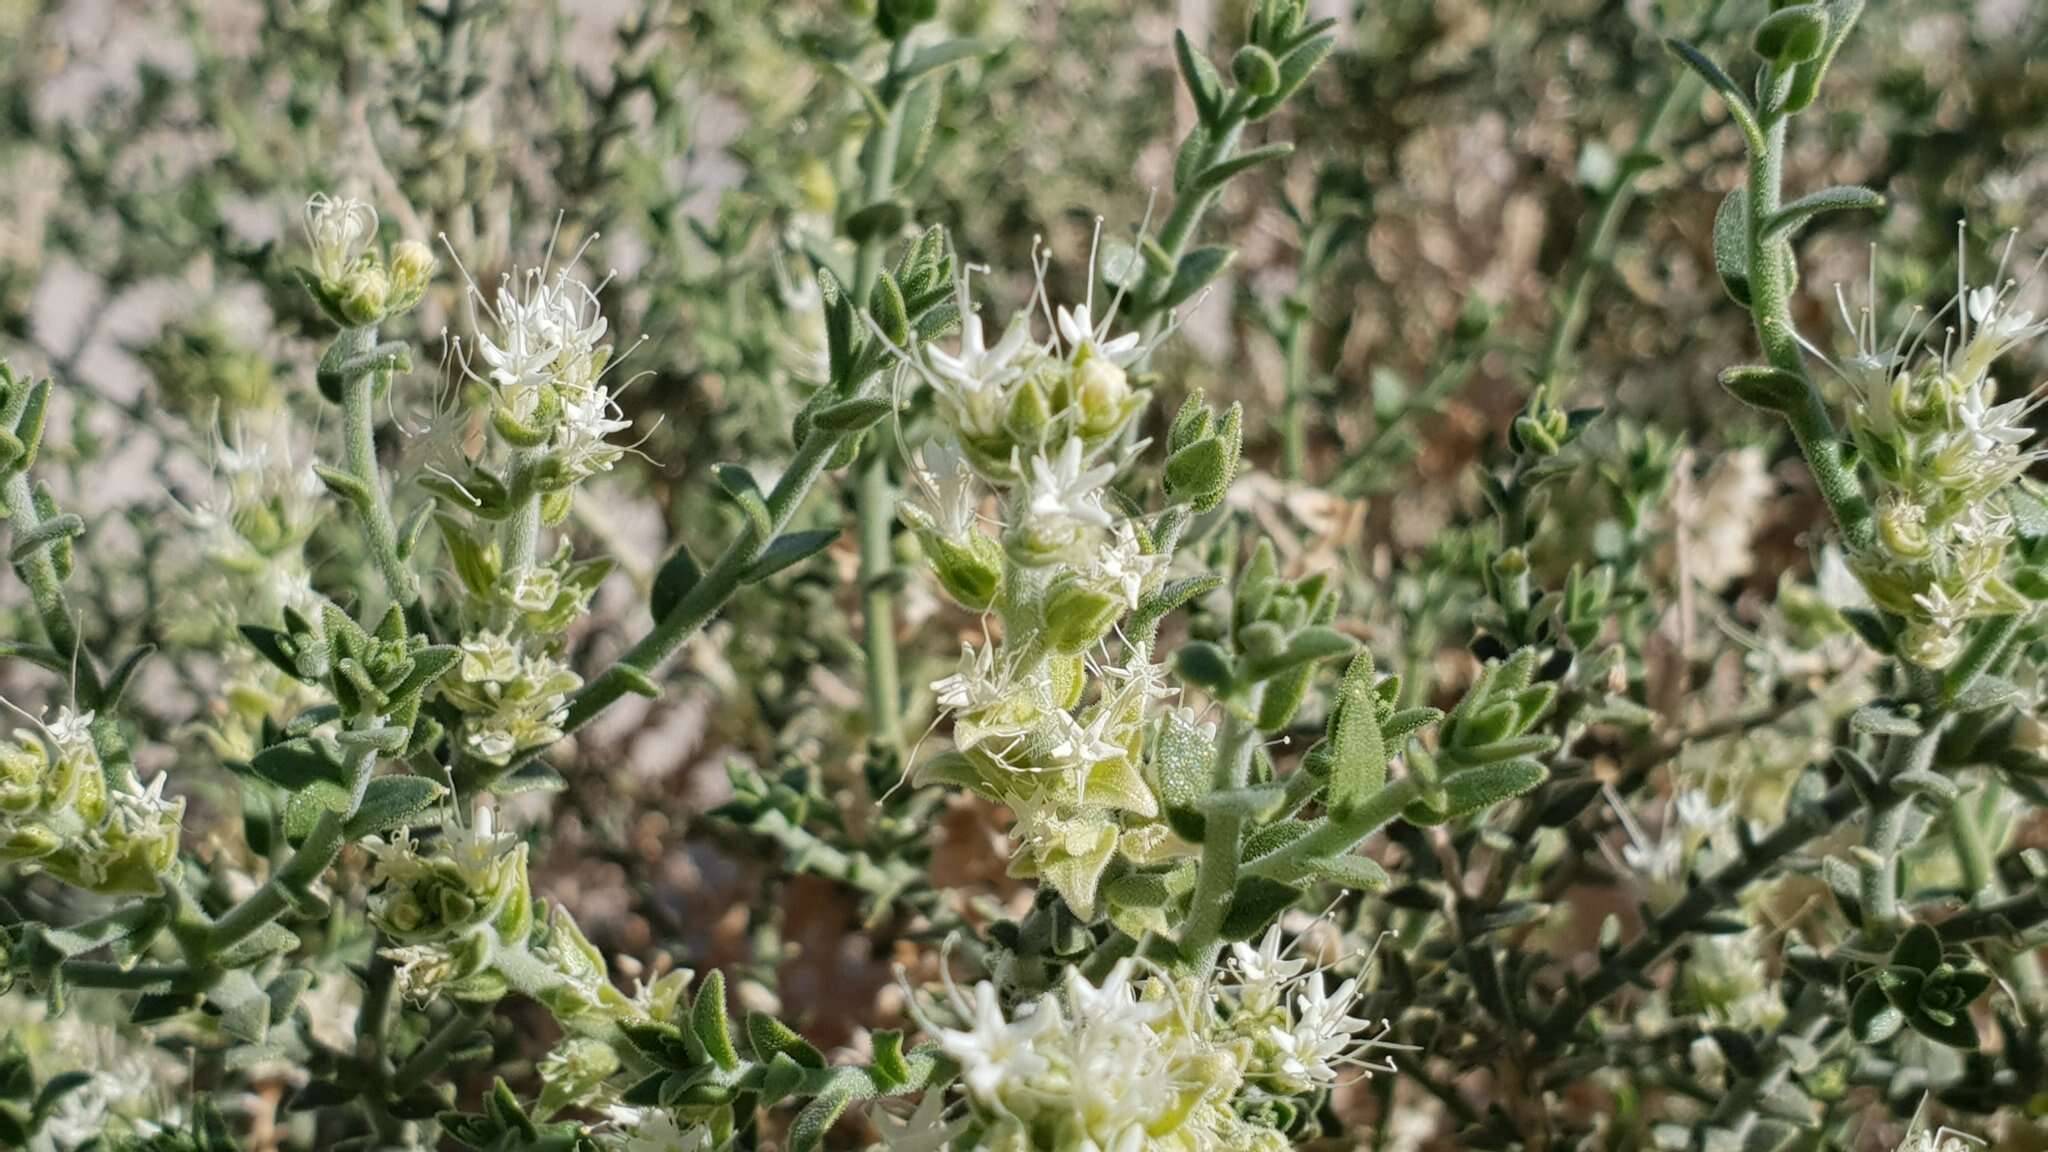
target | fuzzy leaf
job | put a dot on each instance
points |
(1477, 789)
(391, 801)
(788, 549)
(679, 573)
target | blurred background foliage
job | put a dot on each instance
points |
(1439, 245)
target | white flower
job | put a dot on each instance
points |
(337, 231)
(1079, 331)
(978, 367)
(1264, 968)
(1943, 613)
(1941, 1140)
(651, 1130)
(993, 1051)
(589, 416)
(1065, 489)
(1325, 1035)
(1699, 813)
(1124, 565)
(1116, 1003)
(950, 496)
(976, 685)
(925, 1130)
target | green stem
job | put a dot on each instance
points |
(875, 496)
(102, 974)
(37, 569)
(359, 460)
(1222, 845)
(268, 902)
(1294, 414)
(1336, 835)
(1770, 287)
(428, 1058)
(631, 671)
(1148, 304)
(1982, 886)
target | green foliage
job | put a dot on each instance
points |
(1658, 770)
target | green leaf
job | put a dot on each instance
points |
(740, 485)
(708, 1021)
(345, 486)
(877, 221)
(1878, 719)
(1203, 82)
(299, 763)
(807, 1131)
(270, 940)
(853, 415)
(1308, 646)
(391, 801)
(532, 776)
(770, 1038)
(1358, 753)
(1352, 871)
(1724, 85)
(1255, 904)
(303, 811)
(1761, 386)
(1295, 67)
(1919, 948)
(1731, 246)
(1216, 175)
(787, 550)
(1791, 35)
(939, 56)
(1477, 789)
(679, 573)
(1194, 272)
(1205, 665)
(1786, 222)
(1807, 76)
(1985, 692)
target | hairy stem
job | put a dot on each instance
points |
(355, 346)
(1222, 844)
(875, 496)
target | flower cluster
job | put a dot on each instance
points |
(541, 357)
(451, 907)
(356, 284)
(1023, 399)
(545, 358)
(62, 813)
(510, 699)
(1154, 1061)
(1045, 720)
(1123, 1064)
(1300, 1032)
(1943, 451)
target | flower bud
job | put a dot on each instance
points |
(1103, 394)
(971, 569)
(1903, 527)
(1255, 70)
(412, 269)
(1931, 644)
(1078, 616)
(363, 293)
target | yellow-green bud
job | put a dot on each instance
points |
(1102, 392)
(363, 293)
(1932, 646)
(412, 269)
